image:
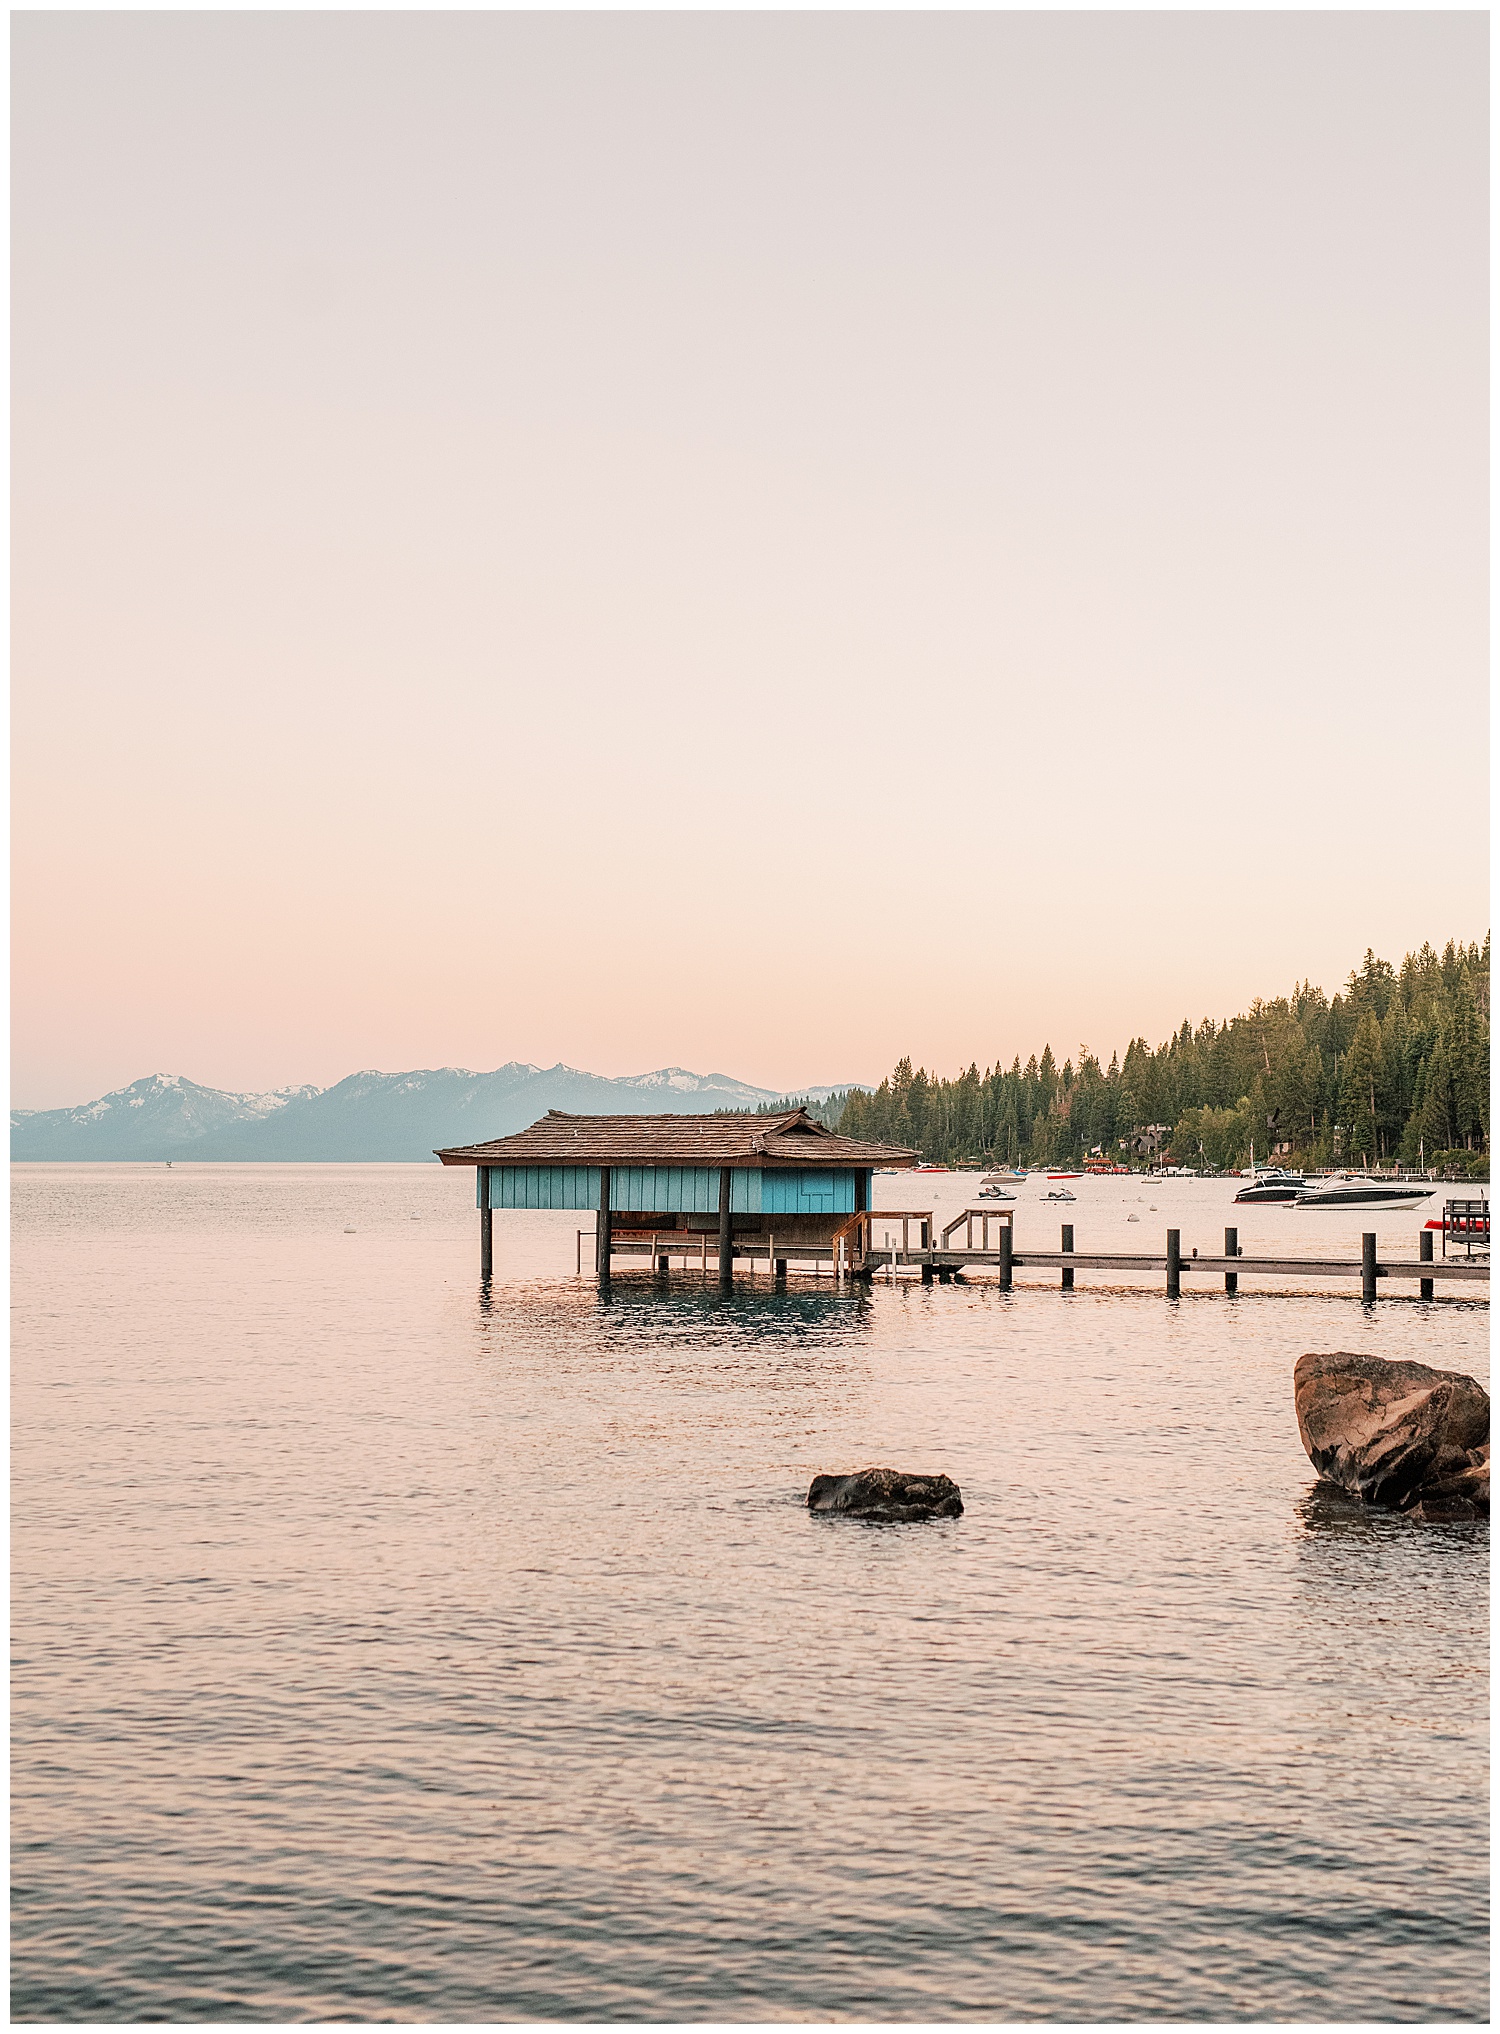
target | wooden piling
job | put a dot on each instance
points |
(1174, 1264)
(1007, 1243)
(726, 1228)
(1067, 1244)
(1424, 1253)
(1231, 1249)
(1367, 1254)
(605, 1225)
(486, 1225)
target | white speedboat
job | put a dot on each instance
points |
(1358, 1190)
(1271, 1183)
(1007, 1175)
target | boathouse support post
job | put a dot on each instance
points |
(1174, 1264)
(726, 1227)
(486, 1225)
(606, 1224)
(1231, 1249)
(1424, 1251)
(1007, 1241)
(1067, 1244)
(1367, 1266)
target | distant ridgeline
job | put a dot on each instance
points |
(1395, 1067)
(369, 1116)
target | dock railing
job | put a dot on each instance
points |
(966, 1221)
(851, 1240)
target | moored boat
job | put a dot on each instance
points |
(1272, 1183)
(1358, 1190)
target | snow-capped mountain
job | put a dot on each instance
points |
(369, 1115)
(161, 1114)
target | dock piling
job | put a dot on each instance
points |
(1424, 1254)
(1367, 1253)
(1067, 1244)
(606, 1225)
(1174, 1264)
(486, 1225)
(1231, 1249)
(726, 1229)
(1007, 1242)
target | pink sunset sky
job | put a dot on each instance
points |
(756, 542)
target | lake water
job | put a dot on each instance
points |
(392, 1650)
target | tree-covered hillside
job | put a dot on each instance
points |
(1396, 1066)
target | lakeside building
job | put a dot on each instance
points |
(739, 1180)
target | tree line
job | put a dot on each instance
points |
(1395, 1068)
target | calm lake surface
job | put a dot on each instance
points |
(390, 1650)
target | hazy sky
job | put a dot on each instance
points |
(760, 542)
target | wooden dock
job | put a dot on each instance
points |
(855, 1254)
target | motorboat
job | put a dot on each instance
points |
(1358, 1190)
(1272, 1183)
(928, 1166)
(1008, 1175)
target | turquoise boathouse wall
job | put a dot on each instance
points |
(807, 1193)
(540, 1186)
(673, 1189)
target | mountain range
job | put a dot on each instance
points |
(370, 1116)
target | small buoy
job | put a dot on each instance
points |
(1132, 1218)
(348, 1232)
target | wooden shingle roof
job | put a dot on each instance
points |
(794, 1138)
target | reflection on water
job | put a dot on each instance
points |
(393, 1647)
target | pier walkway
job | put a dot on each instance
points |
(855, 1254)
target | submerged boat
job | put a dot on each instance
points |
(1272, 1183)
(1357, 1190)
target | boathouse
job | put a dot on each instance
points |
(721, 1186)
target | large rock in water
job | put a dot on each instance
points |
(886, 1494)
(1396, 1434)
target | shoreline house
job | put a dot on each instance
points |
(715, 1186)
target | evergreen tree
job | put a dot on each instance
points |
(1399, 1059)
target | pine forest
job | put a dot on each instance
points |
(1394, 1069)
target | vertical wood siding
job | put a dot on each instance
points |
(544, 1186)
(807, 1193)
(683, 1189)
(671, 1189)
